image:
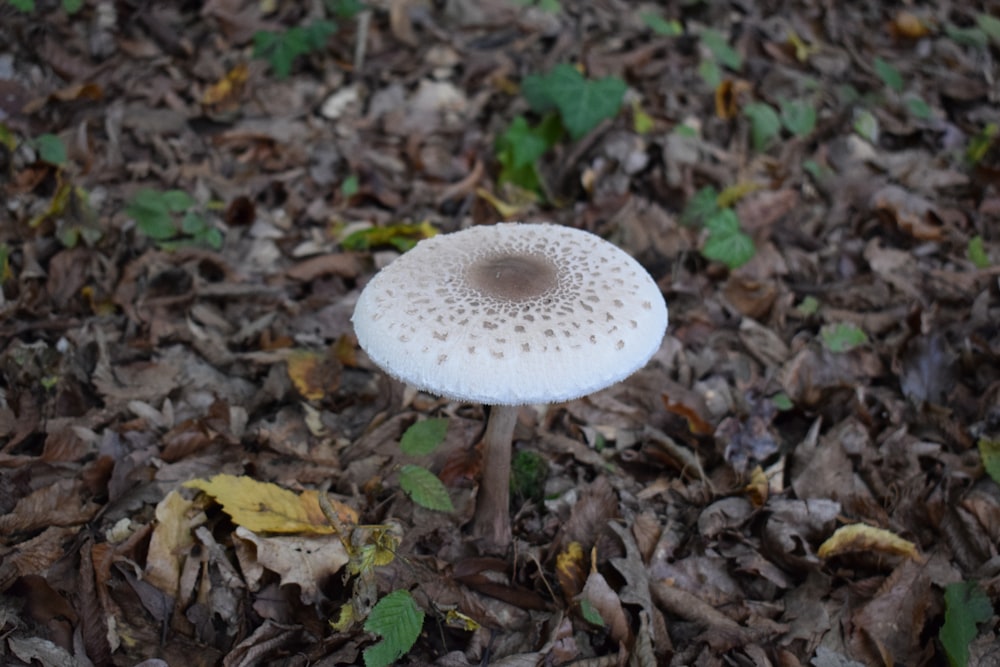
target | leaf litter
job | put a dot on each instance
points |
(198, 466)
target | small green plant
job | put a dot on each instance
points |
(397, 619)
(418, 482)
(842, 336)
(569, 104)
(528, 473)
(976, 252)
(980, 145)
(550, 6)
(723, 55)
(765, 124)
(345, 9)
(725, 242)
(69, 6)
(171, 219)
(662, 26)
(798, 117)
(989, 452)
(280, 49)
(966, 605)
(889, 74)
(50, 149)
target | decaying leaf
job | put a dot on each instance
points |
(862, 537)
(305, 560)
(268, 508)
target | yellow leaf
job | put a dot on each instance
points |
(571, 570)
(226, 89)
(802, 50)
(307, 371)
(456, 619)
(758, 487)
(268, 508)
(736, 192)
(862, 537)
(345, 619)
(522, 201)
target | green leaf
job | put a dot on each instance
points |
(989, 25)
(661, 26)
(177, 201)
(726, 242)
(918, 108)
(842, 336)
(398, 620)
(809, 306)
(520, 147)
(782, 401)
(281, 49)
(528, 472)
(975, 37)
(703, 205)
(72, 6)
(889, 74)
(976, 252)
(345, 9)
(989, 451)
(23, 5)
(582, 103)
(350, 186)
(158, 226)
(965, 606)
(590, 613)
(710, 73)
(979, 145)
(723, 53)
(50, 148)
(423, 436)
(866, 125)
(764, 123)
(425, 488)
(192, 223)
(798, 117)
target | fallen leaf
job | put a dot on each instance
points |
(862, 537)
(268, 508)
(305, 560)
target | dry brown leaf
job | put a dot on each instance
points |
(170, 542)
(305, 560)
(605, 601)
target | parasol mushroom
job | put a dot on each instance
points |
(508, 315)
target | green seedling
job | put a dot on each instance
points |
(398, 621)
(423, 486)
(172, 219)
(976, 252)
(966, 605)
(281, 49)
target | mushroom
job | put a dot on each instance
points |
(507, 315)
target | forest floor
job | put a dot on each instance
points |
(199, 466)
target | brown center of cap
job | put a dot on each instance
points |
(513, 277)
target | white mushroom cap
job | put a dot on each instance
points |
(511, 314)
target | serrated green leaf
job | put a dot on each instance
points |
(798, 117)
(398, 620)
(889, 74)
(701, 206)
(177, 201)
(524, 144)
(51, 149)
(989, 452)
(725, 54)
(281, 49)
(966, 605)
(842, 336)
(661, 26)
(764, 123)
(425, 488)
(317, 32)
(582, 103)
(976, 252)
(732, 249)
(423, 436)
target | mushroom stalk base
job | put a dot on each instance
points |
(491, 524)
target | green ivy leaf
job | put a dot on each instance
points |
(423, 436)
(889, 74)
(582, 103)
(989, 451)
(72, 6)
(177, 201)
(702, 206)
(281, 49)
(723, 53)
(965, 605)
(976, 252)
(397, 619)
(842, 336)
(24, 6)
(726, 242)
(345, 9)
(798, 117)
(520, 147)
(764, 123)
(425, 488)
(590, 613)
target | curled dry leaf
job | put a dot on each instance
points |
(862, 537)
(306, 560)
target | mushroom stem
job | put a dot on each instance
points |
(492, 521)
